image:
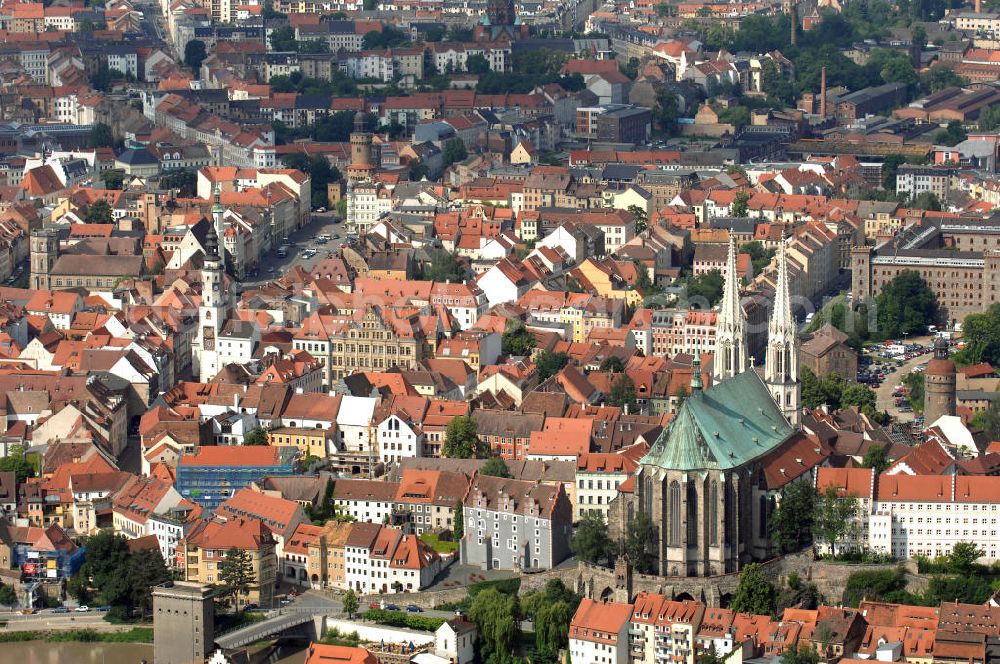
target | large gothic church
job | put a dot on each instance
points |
(703, 482)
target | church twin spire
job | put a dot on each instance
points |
(781, 369)
(781, 373)
(730, 325)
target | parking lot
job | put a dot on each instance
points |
(883, 370)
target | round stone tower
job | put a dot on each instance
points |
(361, 167)
(939, 384)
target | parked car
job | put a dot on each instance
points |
(60, 609)
(82, 608)
(413, 608)
(250, 607)
(392, 607)
(373, 605)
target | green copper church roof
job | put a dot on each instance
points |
(725, 426)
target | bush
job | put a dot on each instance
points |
(878, 585)
(334, 637)
(503, 586)
(402, 619)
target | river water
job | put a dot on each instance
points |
(41, 652)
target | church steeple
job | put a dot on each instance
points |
(217, 213)
(781, 371)
(730, 325)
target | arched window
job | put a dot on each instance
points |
(647, 497)
(730, 512)
(713, 513)
(692, 514)
(675, 513)
(762, 524)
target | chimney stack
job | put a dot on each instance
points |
(822, 93)
(793, 15)
(979, 6)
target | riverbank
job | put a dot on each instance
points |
(133, 635)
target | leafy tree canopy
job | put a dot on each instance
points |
(549, 363)
(517, 339)
(495, 467)
(461, 440)
(754, 594)
(591, 542)
(906, 305)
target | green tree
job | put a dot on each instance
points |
(915, 381)
(906, 305)
(517, 339)
(899, 70)
(458, 522)
(388, 37)
(641, 218)
(99, 212)
(495, 614)
(918, 37)
(981, 333)
(859, 395)
(549, 363)
(938, 78)
(236, 574)
(639, 537)
(256, 436)
(113, 178)
(664, 10)
(454, 151)
(760, 257)
(754, 593)
(195, 54)
(591, 542)
(622, 393)
(801, 655)
(283, 39)
(613, 363)
(884, 585)
(101, 136)
(445, 267)
(477, 64)
(989, 117)
(350, 603)
(738, 208)
(926, 200)
(495, 467)
(461, 440)
(667, 110)
(552, 627)
(8, 596)
(459, 33)
(792, 519)
(875, 458)
(16, 462)
(964, 556)
(890, 165)
(834, 519)
(705, 288)
(105, 566)
(146, 570)
(952, 135)
(989, 420)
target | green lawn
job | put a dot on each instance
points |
(438, 544)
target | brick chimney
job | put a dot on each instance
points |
(822, 93)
